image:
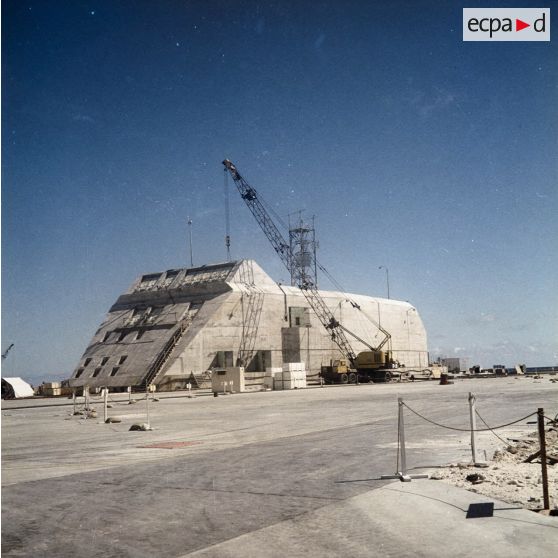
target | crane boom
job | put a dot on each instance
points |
(5, 353)
(309, 290)
(250, 196)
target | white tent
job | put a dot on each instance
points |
(14, 388)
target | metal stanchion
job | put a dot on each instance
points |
(402, 450)
(401, 473)
(105, 404)
(472, 416)
(86, 396)
(147, 406)
(542, 440)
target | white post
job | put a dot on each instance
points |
(105, 404)
(147, 405)
(403, 464)
(74, 399)
(401, 473)
(472, 416)
(86, 396)
(189, 388)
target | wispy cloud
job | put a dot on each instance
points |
(82, 118)
(319, 41)
(480, 319)
(428, 102)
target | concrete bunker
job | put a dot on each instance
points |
(173, 328)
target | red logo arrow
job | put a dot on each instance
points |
(519, 25)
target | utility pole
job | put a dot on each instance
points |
(190, 241)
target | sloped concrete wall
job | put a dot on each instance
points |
(223, 330)
(240, 313)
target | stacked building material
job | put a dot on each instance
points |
(51, 389)
(293, 376)
(270, 375)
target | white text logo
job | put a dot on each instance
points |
(506, 24)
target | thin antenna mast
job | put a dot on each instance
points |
(190, 241)
(227, 217)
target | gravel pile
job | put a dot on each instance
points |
(507, 477)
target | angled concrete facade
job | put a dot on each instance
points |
(180, 322)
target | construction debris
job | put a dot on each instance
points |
(513, 475)
(143, 427)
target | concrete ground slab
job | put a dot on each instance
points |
(262, 463)
(419, 519)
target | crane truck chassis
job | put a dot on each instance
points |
(369, 366)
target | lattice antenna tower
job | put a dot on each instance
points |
(303, 245)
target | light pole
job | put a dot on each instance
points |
(387, 276)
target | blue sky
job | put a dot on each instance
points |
(414, 150)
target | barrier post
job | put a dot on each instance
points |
(105, 404)
(473, 418)
(147, 405)
(86, 396)
(542, 441)
(402, 451)
(401, 466)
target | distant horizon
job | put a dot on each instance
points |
(54, 377)
(416, 152)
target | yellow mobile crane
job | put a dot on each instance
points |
(366, 366)
(376, 364)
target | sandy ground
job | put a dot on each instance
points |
(507, 477)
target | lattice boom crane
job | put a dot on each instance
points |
(315, 300)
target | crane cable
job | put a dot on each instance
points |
(227, 217)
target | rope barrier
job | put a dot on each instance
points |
(111, 400)
(491, 430)
(466, 429)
